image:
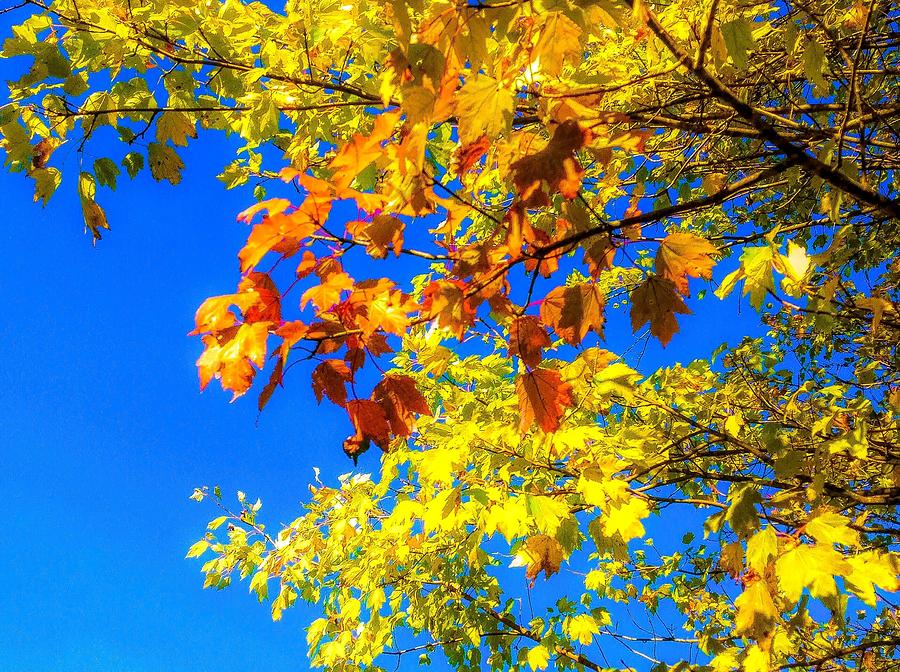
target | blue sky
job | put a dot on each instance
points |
(104, 434)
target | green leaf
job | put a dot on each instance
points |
(165, 164)
(739, 41)
(176, 127)
(106, 172)
(133, 163)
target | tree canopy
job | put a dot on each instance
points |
(453, 200)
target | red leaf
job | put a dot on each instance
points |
(527, 337)
(329, 379)
(543, 397)
(370, 422)
(401, 400)
(468, 155)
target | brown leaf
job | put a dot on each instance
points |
(574, 311)
(527, 337)
(370, 422)
(543, 397)
(681, 255)
(401, 401)
(329, 379)
(656, 301)
(383, 234)
(556, 166)
(599, 252)
(545, 554)
(467, 156)
(275, 380)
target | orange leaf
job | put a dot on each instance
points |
(285, 231)
(215, 313)
(574, 311)
(272, 206)
(330, 378)
(325, 295)
(401, 400)
(291, 333)
(556, 166)
(362, 150)
(268, 304)
(307, 264)
(683, 254)
(656, 301)
(228, 356)
(370, 421)
(383, 233)
(543, 397)
(527, 337)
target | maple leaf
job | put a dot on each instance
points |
(656, 301)
(574, 311)
(756, 612)
(362, 150)
(370, 422)
(599, 252)
(281, 229)
(484, 107)
(527, 337)
(275, 379)
(556, 166)
(267, 307)
(466, 156)
(229, 354)
(383, 233)
(543, 397)
(328, 292)
(539, 553)
(445, 301)
(401, 400)
(681, 255)
(558, 41)
(215, 313)
(329, 379)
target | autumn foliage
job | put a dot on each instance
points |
(466, 199)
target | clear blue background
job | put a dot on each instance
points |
(104, 434)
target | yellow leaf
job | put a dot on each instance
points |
(831, 528)
(756, 612)
(197, 549)
(538, 657)
(581, 628)
(756, 660)
(485, 107)
(626, 519)
(760, 548)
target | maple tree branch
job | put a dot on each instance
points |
(766, 130)
(720, 196)
(841, 653)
